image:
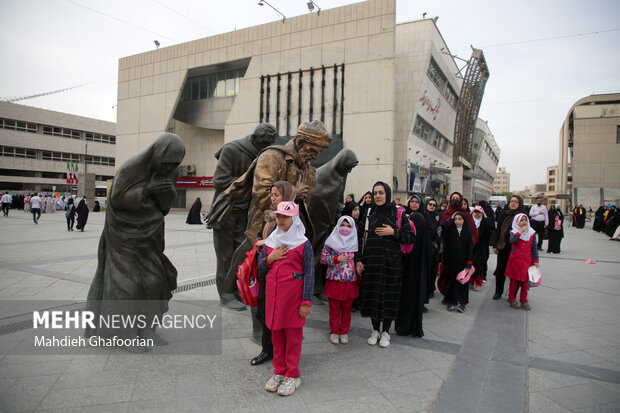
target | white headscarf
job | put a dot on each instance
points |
(342, 243)
(293, 238)
(516, 228)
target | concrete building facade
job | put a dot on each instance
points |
(590, 143)
(485, 153)
(501, 183)
(36, 146)
(389, 92)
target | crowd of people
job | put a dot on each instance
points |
(48, 203)
(388, 260)
(607, 221)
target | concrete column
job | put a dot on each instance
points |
(456, 180)
(86, 187)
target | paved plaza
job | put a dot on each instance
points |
(564, 355)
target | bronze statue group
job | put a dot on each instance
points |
(379, 254)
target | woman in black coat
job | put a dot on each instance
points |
(378, 262)
(416, 274)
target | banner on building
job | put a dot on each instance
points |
(198, 182)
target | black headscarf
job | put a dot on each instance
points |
(386, 213)
(348, 209)
(489, 211)
(364, 207)
(506, 225)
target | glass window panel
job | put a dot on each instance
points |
(204, 87)
(195, 85)
(230, 87)
(220, 89)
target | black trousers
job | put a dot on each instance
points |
(539, 227)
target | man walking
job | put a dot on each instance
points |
(35, 207)
(540, 220)
(6, 203)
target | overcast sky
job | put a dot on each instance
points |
(542, 55)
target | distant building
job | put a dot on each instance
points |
(553, 173)
(390, 92)
(38, 146)
(501, 183)
(590, 143)
(485, 157)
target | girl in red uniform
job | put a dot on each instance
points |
(523, 254)
(289, 260)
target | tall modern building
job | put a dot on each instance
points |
(390, 92)
(553, 183)
(38, 147)
(590, 144)
(501, 183)
(485, 157)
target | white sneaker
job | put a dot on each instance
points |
(385, 340)
(333, 338)
(374, 337)
(344, 339)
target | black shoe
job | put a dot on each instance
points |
(497, 296)
(261, 358)
(432, 294)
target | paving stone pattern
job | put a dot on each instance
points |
(564, 355)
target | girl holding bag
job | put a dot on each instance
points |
(523, 254)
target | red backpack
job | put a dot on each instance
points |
(247, 278)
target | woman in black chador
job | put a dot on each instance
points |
(132, 266)
(599, 218)
(416, 274)
(457, 255)
(193, 217)
(82, 214)
(378, 261)
(555, 230)
(499, 240)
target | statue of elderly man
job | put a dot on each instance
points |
(234, 158)
(291, 163)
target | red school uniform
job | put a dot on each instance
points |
(523, 254)
(285, 289)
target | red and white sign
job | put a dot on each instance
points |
(195, 182)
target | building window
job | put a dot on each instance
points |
(18, 125)
(214, 85)
(618, 134)
(551, 180)
(437, 76)
(12, 152)
(63, 132)
(552, 187)
(427, 132)
(98, 137)
(552, 172)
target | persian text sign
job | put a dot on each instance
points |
(195, 182)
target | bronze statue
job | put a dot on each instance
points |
(290, 163)
(326, 204)
(233, 160)
(132, 267)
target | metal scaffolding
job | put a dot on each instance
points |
(470, 99)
